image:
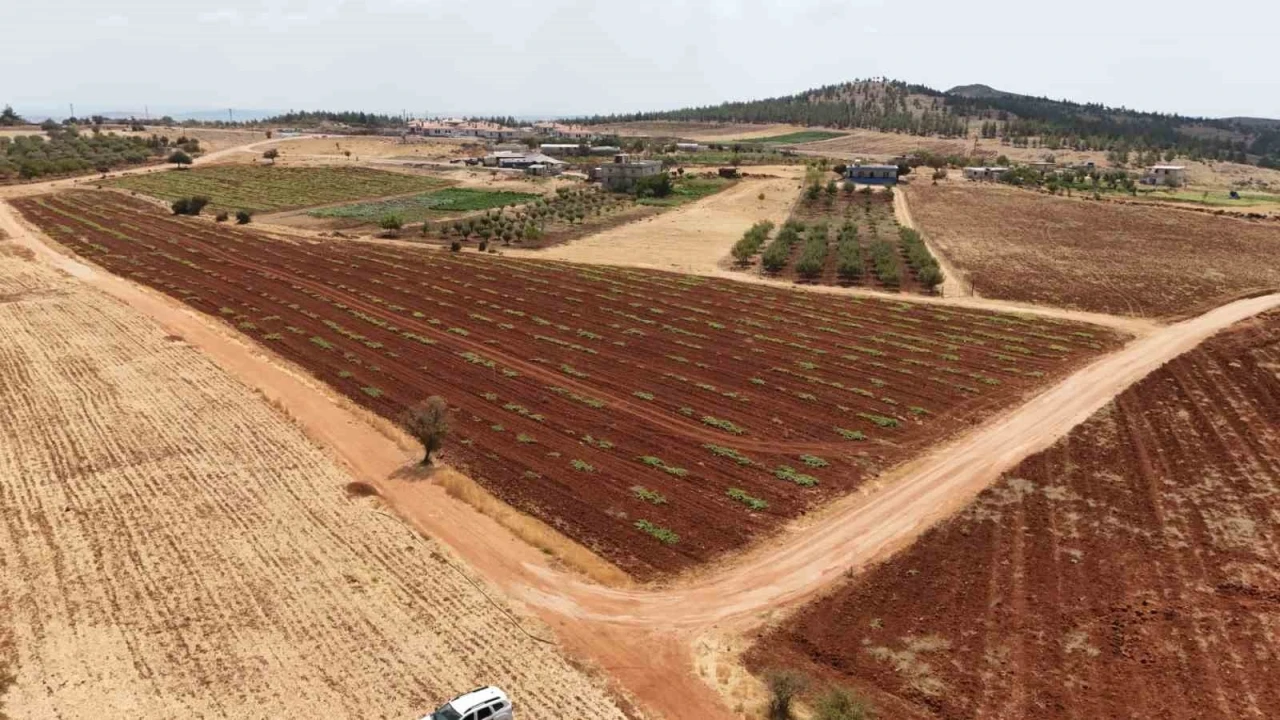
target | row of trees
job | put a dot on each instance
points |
(68, 151)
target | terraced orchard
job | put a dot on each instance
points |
(267, 188)
(660, 419)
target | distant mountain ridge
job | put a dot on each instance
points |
(1022, 120)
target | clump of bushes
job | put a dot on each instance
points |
(189, 205)
(751, 241)
(243, 217)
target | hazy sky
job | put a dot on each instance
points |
(564, 57)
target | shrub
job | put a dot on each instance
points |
(841, 704)
(243, 217)
(220, 217)
(784, 686)
(455, 246)
(180, 158)
(189, 205)
(391, 224)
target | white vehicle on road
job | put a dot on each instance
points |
(486, 703)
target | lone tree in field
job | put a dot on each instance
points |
(428, 421)
(180, 158)
(9, 117)
(271, 155)
(391, 224)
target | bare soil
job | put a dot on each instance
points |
(698, 131)
(568, 382)
(1136, 260)
(1128, 571)
(170, 541)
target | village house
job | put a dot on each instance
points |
(872, 174)
(984, 172)
(622, 174)
(1170, 175)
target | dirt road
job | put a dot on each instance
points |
(641, 635)
(954, 283)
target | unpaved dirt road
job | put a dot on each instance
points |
(642, 635)
(953, 282)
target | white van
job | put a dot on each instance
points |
(486, 703)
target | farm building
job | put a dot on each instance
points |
(688, 147)
(511, 160)
(872, 174)
(984, 172)
(1171, 175)
(560, 149)
(621, 174)
(1043, 166)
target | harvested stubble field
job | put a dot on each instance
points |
(659, 419)
(1123, 259)
(268, 188)
(1131, 570)
(172, 546)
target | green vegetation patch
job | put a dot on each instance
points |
(266, 188)
(417, 208)
(687, 190)
(803, 136)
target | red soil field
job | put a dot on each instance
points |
(611, 403)
(1132, 570)
(1139, 260)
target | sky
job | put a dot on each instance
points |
(571, 57)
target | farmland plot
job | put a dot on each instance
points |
(267, 188)
(435, 204)
(659, 419)
(1131, 570)
(1097, 256)
(171, 546)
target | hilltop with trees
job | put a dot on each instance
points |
(1021, 120)
(64, 150)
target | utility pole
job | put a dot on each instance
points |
(230, 118)
(73, 109)
(146, 111)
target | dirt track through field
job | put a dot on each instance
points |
(607, 624)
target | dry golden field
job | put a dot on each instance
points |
(172, 546)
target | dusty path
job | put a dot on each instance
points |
(954, 283)
(642, 635)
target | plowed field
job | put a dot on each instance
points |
(1130, 571)
(172, 547)
(659, 419)
(1144, 261)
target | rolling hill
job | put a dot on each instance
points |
(900, 107)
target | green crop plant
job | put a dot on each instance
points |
(650, 496)
(725, 425)
(663, 535)
(582, 466)
(525, 439)
(657, 462)
(741, 496)
(643, 395)
(814, 461)
(790, 474)
(850, 434)
(372, 392)
(726, 452)
(880, 420)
